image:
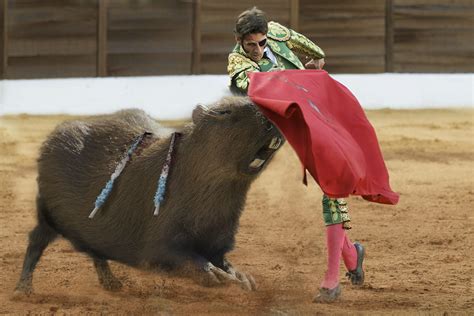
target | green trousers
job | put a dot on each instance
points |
(335, 211)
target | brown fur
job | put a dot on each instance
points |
(206, 190)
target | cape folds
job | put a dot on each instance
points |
(328, 129)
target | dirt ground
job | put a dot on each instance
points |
(419, 253)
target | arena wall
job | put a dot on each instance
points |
(89, 38)
(174, 97)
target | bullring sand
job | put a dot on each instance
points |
(419, 252)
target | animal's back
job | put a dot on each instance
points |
(75, 163)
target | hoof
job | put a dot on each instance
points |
(215, 276)
(112, 285)
(247, 282)
(22, 291)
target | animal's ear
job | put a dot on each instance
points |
(199, 112)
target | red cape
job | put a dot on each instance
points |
(328, 129)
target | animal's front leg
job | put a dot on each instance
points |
(207, 274)
(245, 280)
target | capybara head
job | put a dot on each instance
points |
(237, 134)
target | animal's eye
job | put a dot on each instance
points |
(223, 112)
(219, 113)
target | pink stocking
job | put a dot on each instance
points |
(335, 240)
(349, 254)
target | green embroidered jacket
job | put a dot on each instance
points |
(283, 42)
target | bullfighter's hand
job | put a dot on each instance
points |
(315, 64)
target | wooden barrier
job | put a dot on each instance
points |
(3, 38)
(433, 36)
(88, 38)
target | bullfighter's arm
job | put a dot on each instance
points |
(303, 45)
(238, 66)
(298, 43)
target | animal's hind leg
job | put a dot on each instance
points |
(39, 239)
(106, 277)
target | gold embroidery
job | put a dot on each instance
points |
(281, 50)
(274, 46)
(303, 45)
(334, 211)
(278, 32)
(238, 63)
(242, 81)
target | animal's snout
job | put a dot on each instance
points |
(265, 122)
(268, 124)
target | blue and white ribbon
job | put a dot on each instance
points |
(160, 191)
(104, 194)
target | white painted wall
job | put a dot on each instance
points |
(174, 97)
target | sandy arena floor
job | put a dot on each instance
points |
(419, 253)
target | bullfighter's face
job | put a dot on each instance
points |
(254, 45)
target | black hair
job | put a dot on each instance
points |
(250, 22)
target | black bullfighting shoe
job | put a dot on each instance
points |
(357, 275)
(328, 295)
